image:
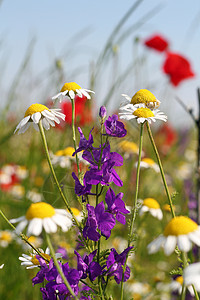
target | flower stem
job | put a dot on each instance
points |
(58, 267)
(195, 293)
(161, 169)
(23, 237)
(53, 172)
(74, 134)
(134, 209)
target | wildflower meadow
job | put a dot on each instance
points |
(100, 203)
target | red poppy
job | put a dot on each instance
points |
(83, 113)
(177, 67)
(157, 42)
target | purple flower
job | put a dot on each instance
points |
(84, 144)
(85, 290)
(116, 205)
(102, 112)
(115, 264)
(114, 127)
(98, 219)
(80, 189)
(86, 266)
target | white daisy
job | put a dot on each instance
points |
(191, 275)
(6, 237)
(142, 96)
(1, 266)
(63, 158)
(180, 231)
(153, 207)
(77, 213)
(177, 284)
(148, 163)
(71, 89)
(42, 215)
(37, 112)
(141, 113)
(34, 196)
(31, 261)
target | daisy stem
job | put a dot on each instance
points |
(161, 169)
(53, 172)
(195, 293)
(134, 209)
(185, 263)
(23, 237)
(74, 134)
(58, 267)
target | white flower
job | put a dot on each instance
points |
(6, 237)
(177, 284)
(141, 113)
(147, 163)
(1, 266)
(63, 158)
(71, 89)
(37, 112)
(142, 96)
(34, 196)
(191, 275)
(180, 231)
(30, 261)
(42, 215)
(152, 206)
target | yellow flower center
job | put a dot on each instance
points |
(35, 261)
(143, 112)
(70, 86)
(5, 236)
(180, 225)
(144, 96)
(75, 211)
(167, 207)
(35, 108)
(32, 239)
(179, 279)
(128, 146)
(65, 152)
(151, 203)
(40, 210)
(149, 161)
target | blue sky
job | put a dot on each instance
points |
(54, 23)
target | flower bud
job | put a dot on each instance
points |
(102, 112)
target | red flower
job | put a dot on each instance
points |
(157, 42)
(167, 137)
(177, 67)
(83, 113)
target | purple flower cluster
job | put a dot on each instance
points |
(55, 286)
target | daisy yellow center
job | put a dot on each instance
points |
(143, 112)
(75, 211)
(167, 207)
(149, 161)
(70, 86)
(5, 236)
(32, 239)
(35, 261)
(180, 225)
(40, 210)
(143, 96)
(179, 279)
(66, 152)
(151, 203)
(129, 146)
(35, 108)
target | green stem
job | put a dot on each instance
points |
(161, 169)
(195, 293)
(53, 173)
(23, 237)
(134, 210)
(74, 134)
(58, 267)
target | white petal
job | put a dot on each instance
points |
(195, 238)
(35, 227)
(71, 94)
(45, 124)
(184, 243)
(49, 225)
(155, 245)
(24, 128)
(48, 114)
(85, 94)
(36, 117)
(170, 244)
(17, 219)
(22, 123)
(20, 227)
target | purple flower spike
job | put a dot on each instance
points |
(114, 127)
(84, 144)
(80, 189)
(98, 219)
(116, 205)
(102, 112)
